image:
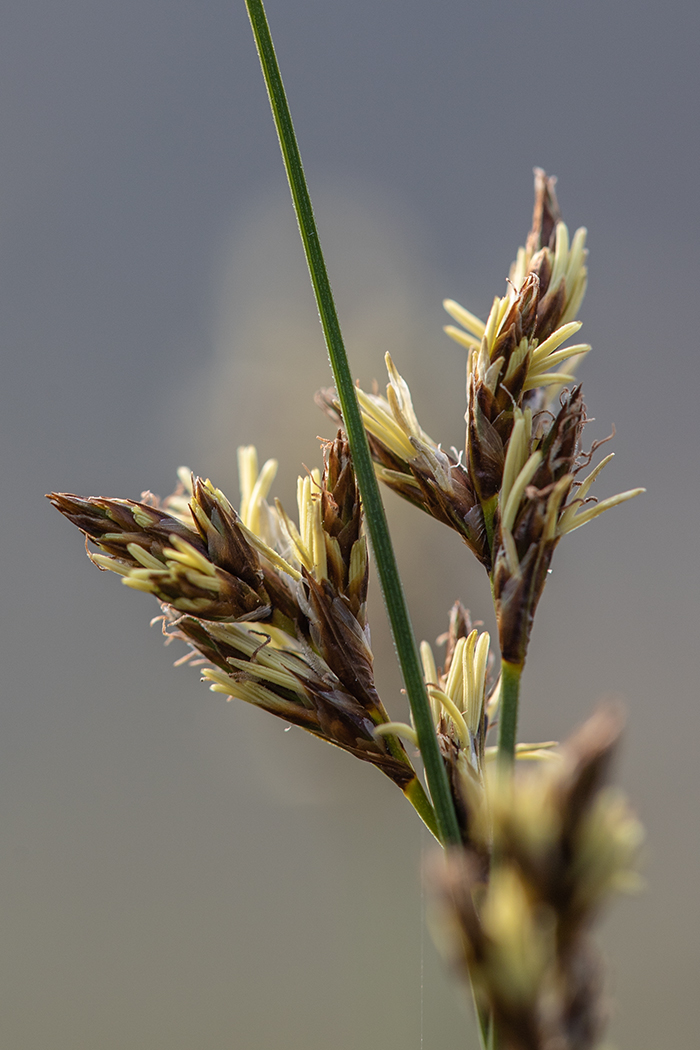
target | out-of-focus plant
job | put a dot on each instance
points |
(275, 612)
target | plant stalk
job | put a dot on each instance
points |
(508, 712)
(390, 581)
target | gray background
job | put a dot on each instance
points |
(179, 872)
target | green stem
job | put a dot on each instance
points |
(367, 482)
(508, 711)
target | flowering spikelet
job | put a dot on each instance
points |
(464, 704)
(408, 461)
(513, 492)
(562, 843)
(278, 610)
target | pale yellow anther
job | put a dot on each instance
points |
(582, 492)
(310, 525)
(150, 574)
(241, 637)
(266, 673)
(492, 322)
(143, 557)
(471, 342)
(478, 650)
(548, 379)
(468, 671)
(184, 553)
(138, 584)
(105, 562)
(319, 542)
(516, 454)
(454, 713)
(574, 516)
(578, 350)
(468, 320)
(198, 579)
(575, 296)
(200, 517)
(577, 254)
(247, 475)
(504, 306)
(561, 255)
(527, 416)
(559, 336)
(358, 561)
(143, 518)
(293, 535)
(453, 684)
(399, 398)
(196, 606)
(517, 358)
(430, 676)
(266, 655)
(303, 510)
(221, 682)
(568, 263)
(251, 692)
(523, 479)
(583, 516)
(258, 494)
(554, 502)
(380, 423)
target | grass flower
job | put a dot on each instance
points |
(278, 609)
(509, 369)
(464, 703)
(513, 491)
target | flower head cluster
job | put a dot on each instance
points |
(277, 609)
(274, 611)
(514, 490)
(464, 704)
(564, 842)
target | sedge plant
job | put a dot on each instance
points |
(274, 611)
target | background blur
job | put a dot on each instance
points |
(179, 872)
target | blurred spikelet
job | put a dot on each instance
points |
(559, 842)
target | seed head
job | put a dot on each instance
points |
(278, 609)
(512, 492)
